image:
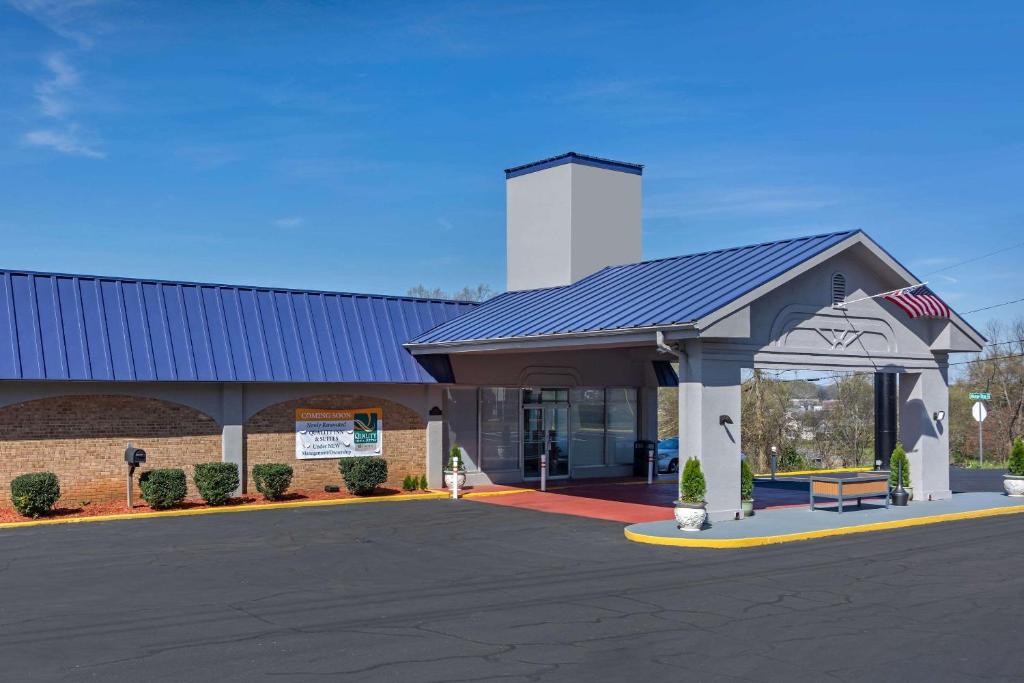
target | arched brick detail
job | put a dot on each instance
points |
(81, 439)
(270, 437)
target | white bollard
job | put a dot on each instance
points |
(544, 473)
(650, 467)
(455, 481)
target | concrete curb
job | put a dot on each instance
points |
(754, 541)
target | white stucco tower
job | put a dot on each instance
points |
(569, 216)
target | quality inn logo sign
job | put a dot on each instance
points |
(365, 428)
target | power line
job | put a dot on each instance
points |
(1005, 303)
(976, 258)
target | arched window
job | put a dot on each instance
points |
(838, 290)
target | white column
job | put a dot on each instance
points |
(926, 440)
(233, 430)
(709, 389)
(435, 437)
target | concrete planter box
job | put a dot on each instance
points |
(690, 516)
(1014, 485)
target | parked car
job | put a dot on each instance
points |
(668, 455)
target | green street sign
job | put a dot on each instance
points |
(980, 396)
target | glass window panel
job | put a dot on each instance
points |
(460, 416)
(587, 417)
(499, 429)
(622, 421)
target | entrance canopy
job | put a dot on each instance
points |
(806, 303)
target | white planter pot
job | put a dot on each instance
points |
(448, 480)
(1014, 485)
(748, 507)
(690, 517)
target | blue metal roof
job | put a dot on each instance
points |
(668, 291)
(76, 327)
(575, 158)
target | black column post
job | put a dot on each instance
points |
(885, 416)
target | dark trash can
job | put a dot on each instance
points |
(640, 451)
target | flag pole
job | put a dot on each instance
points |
(891, 291)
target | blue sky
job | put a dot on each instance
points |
(359, 146)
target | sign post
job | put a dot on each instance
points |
(979, 413)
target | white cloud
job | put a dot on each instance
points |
(65, 141)
(52, 93)
(74, 20)
(289, 222)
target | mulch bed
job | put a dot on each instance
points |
(90, 509)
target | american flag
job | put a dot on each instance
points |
(919, 302)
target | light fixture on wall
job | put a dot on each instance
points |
(939, 415)
(724, 420)
(435, 411)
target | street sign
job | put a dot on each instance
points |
(980, 396)
(979, 412)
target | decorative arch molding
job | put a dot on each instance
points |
(809, 329)
(49, 392)
(553, 376)
(338, 401)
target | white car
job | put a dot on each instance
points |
(668, 455)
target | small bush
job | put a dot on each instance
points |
(455, 458)
(35, 494)
(363, 474)
(216, 481)
(410, 483)
(163, 488)
(272, 479)
(899, 455)
(692, 486)
(790, 460)
(1015, 465)
(423, 483)
(746, 481)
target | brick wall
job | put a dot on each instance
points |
(270, 437)
(81, 439)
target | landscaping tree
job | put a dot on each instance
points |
(1015, 463)
(692, 486)
(899, 456)
(746, 481)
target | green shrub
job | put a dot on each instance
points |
(163, 488)
(899, 455)
(410, 483)
(363, 474)
(455, 457)
(692, 486)
(216, 481)
(746, 481)
(423, 483)
(35, 494)
(790, 460)
(1016, 463)
(272, 479)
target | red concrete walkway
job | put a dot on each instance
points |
(628, 501)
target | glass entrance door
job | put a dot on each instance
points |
(546, 434)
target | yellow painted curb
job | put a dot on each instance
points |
(819, 533)
(433, 495)
(800, 472)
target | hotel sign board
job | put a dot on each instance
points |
(322, 433)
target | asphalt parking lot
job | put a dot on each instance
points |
(443, 591)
